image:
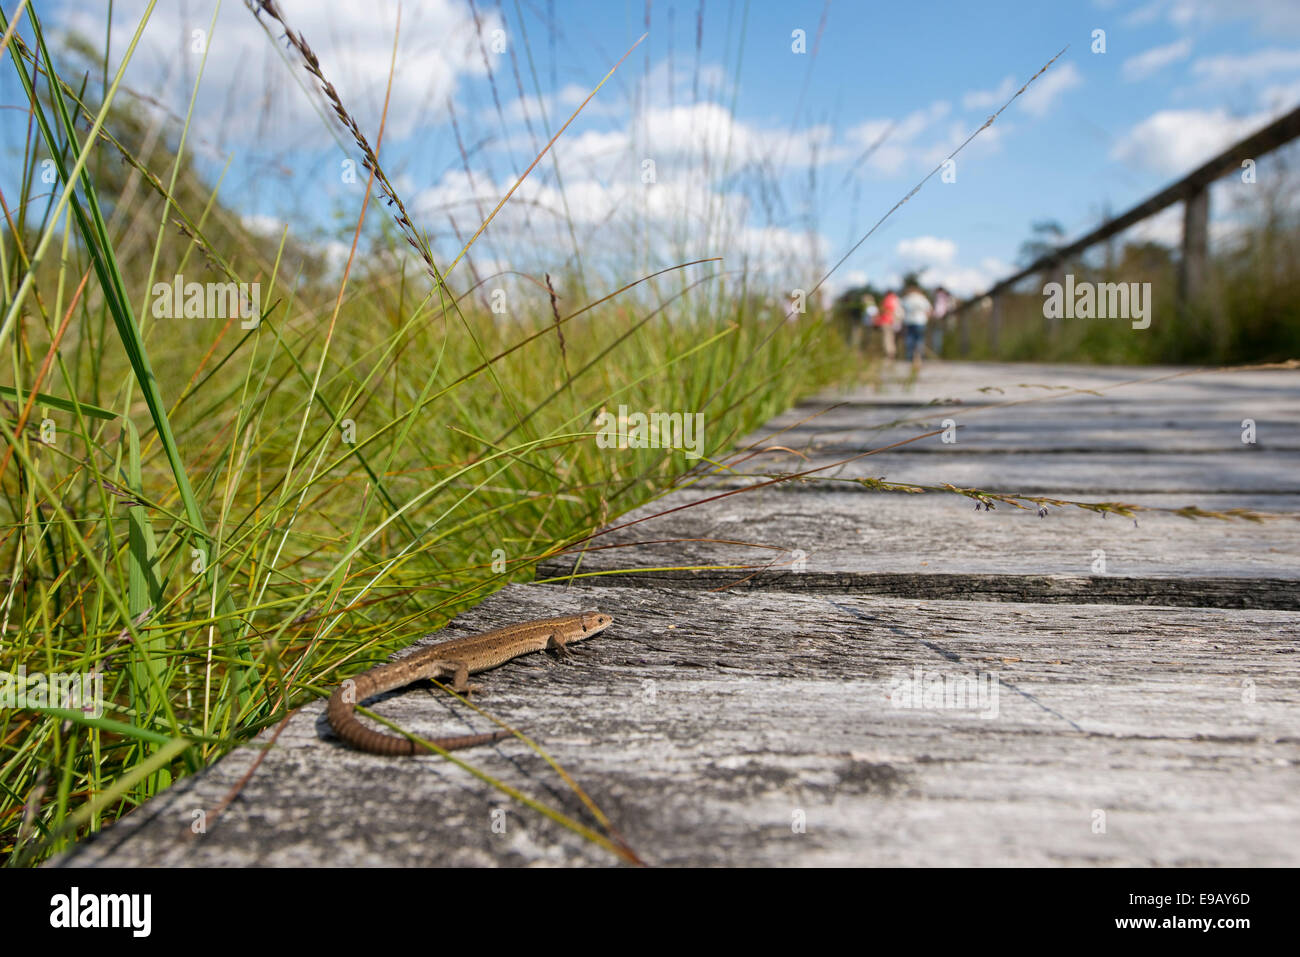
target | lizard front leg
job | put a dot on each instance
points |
(557, 643)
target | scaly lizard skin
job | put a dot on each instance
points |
(456, 659)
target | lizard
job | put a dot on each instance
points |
(457, 658)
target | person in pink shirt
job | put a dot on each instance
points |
(887, 321)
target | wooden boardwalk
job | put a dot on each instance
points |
(850, 676)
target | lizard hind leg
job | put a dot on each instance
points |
(459, 674)
(460, 679)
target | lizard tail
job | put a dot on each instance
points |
(341, 713)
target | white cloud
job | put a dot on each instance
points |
(249, 93)
(989, 139)
(1143, 65)
(1173, 142)
(660, 87)
(773, 249)
(899, 144)
(684, 215)
(1238, 68)
(270, 226)
(591, 147)
(935, 258)
(657, 91)
(926, 250)
(563, 102)
(697, 133)
(988, 99)
(336, 256)
(965, 281)
(1268, 15)
(919, 120)
(1144, 14)
(1279, 97)
(847, 279)
(615, 209)
(1042, 94)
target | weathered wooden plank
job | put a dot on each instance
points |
(705, 724)
(1079, 428)
(1174, 435)
(939, 546)
(1274, 593)
(1092, 433)
(988, 382)
(1101, 476)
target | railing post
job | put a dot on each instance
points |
(995, 320)
(1056, 275)
(1196, 248)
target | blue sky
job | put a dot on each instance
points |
(755, 149)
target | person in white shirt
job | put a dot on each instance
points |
(916, 313)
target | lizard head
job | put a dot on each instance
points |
(594, 622)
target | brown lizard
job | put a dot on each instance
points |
(457, 659)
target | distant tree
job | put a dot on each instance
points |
(1045, 235)
(1145, 258)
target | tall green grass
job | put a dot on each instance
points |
(224, 522)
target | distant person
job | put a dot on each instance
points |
(869, 309)
(862, 332)
(887, 322)
(916, 313)
(943, 304)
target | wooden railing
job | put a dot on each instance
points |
(1192, 190)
